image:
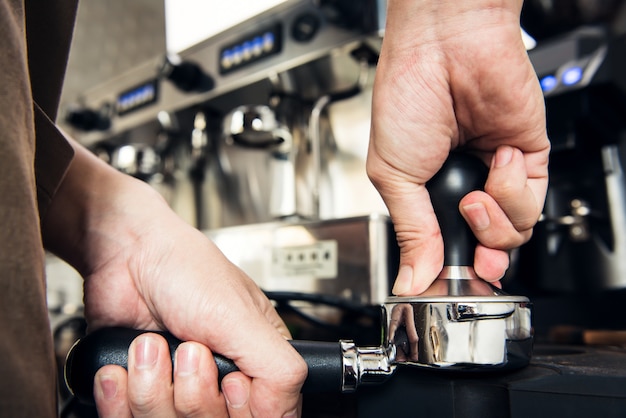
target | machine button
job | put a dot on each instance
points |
(305, 27)
(186, 75)
(86, 119)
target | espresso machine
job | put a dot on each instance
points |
(258, 135)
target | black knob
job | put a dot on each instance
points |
(459, 175)
(88, 119)
(187, 76)
(305, 27)
(350, 14)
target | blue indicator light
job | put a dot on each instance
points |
(257, 45)
(548, 83)
(237, 54)
(572, 76)
(247, 50)
(268, 41)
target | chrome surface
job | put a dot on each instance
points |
(365, 365)
(457, 272)
(455, 333)
(259, 128)
(468, 333)
(351, 373)
(460, 322)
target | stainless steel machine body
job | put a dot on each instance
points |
(353, 258)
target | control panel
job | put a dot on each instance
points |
(251, 48)
(137, 97)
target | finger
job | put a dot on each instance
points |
(196, 391)
(520, 196)
(275, 367)
(236, 390)
(264, 398)
(503, 216)
(518, 191)
(408, 201)
(418, 235)
(150, 389)
(110, 392)
(253, 342)
(490, 264)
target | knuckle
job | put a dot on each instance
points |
(525, 225)
(504, 189)
(144, 403)
(188, 407)
(503, 241)
(299, 372)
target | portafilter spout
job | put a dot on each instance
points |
(460, 323)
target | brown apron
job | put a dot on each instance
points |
(35, 35)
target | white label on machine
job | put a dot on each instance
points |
(317, 260)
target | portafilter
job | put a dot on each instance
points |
(461, 323)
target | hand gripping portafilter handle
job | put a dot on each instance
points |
(459, 175)
(110, 346)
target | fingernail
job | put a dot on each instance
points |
(503, 156)
(146, 352)
(108, 386)
(292, 414)
(478, 216)
(235, 393)
(187, 360)
(404, 281)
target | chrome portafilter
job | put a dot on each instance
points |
(461, 323)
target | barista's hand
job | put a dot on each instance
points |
(145, 268)
(456, 73)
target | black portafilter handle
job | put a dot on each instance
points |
(110, 346)
(459, 175)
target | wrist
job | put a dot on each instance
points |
(93, 204)
(413, 23)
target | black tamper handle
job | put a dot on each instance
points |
(110, 346)
(459, 175)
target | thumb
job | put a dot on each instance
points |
(418, 235)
